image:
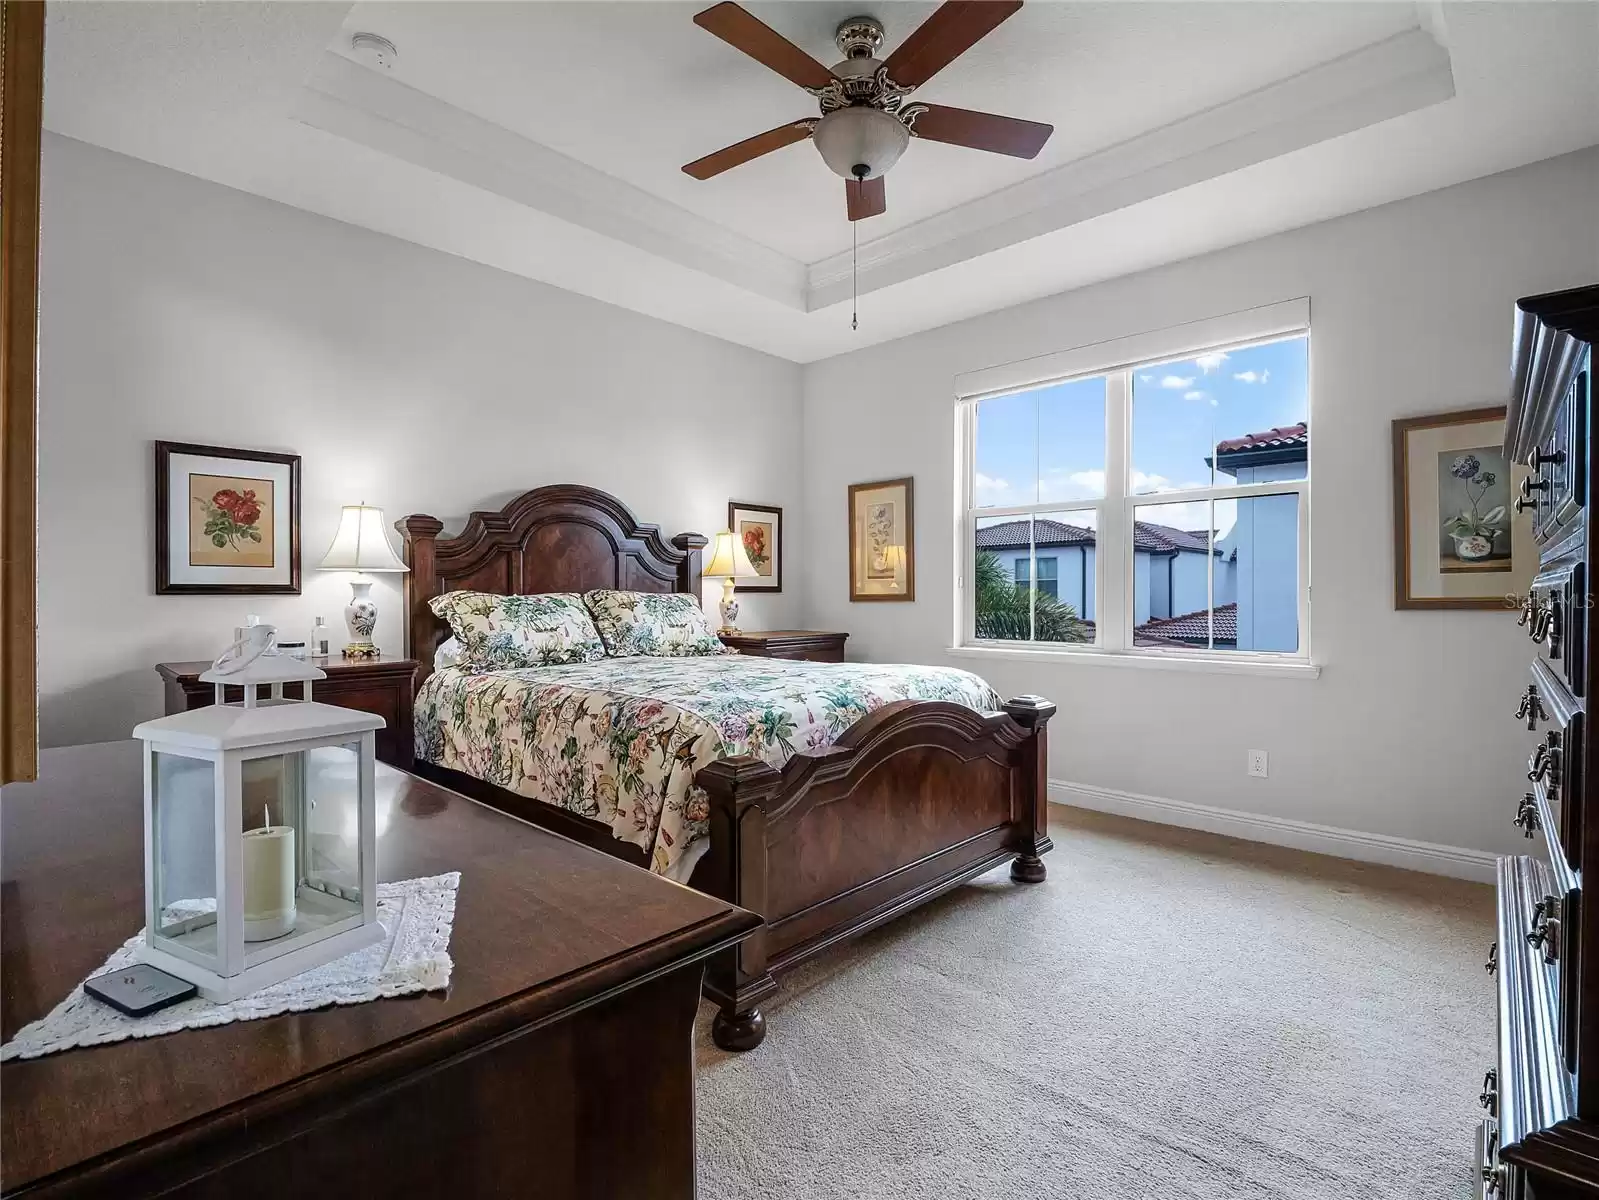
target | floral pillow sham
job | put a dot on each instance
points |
(500, 633)
(652, 624)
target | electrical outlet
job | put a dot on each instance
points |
(1257, 764)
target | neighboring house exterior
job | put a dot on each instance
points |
(1256, 566)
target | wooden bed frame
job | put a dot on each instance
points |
(911, 801)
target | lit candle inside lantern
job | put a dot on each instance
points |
(269, 879)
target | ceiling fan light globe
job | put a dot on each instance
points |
(848, 138)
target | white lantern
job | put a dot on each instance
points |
(260, 832)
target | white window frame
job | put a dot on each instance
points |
(1115, 361)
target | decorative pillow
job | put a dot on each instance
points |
(499, 633)
(656, 624)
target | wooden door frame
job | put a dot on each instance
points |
(21, 124)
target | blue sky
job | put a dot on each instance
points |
(1048, 445)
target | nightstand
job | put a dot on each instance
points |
(813, 645)
(385, 686)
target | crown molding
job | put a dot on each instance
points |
(364, 106)
(1400, 74)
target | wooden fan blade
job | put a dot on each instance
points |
(764, 44)
(955, 28)
(741, 152)
(865, 198)
(980, 130)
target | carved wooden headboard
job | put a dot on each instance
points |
(561, 538)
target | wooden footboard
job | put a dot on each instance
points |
(909, 802)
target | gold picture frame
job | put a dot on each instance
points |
(882, 541)
(1459, 541)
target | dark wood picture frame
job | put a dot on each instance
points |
(1402, 429)
(909, 594)
(777, 549)
(163, 550)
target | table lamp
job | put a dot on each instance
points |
(361, 545)
(729, 561)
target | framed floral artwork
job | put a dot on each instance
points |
(227, 522)
(760, 528)
(1459, 540)
(882, 540)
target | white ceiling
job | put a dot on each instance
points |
(545, 138)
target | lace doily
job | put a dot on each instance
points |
(414, 956)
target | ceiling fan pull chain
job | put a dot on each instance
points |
(854, 277)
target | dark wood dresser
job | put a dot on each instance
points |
(813, 645)
(384, 686)
(1541, 1138)
(559, 1063)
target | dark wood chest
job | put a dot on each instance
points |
(1540, 1139)
(813, 645)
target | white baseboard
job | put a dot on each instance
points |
(1455, 861)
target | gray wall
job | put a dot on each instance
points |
(1407, 732)
(177, 309)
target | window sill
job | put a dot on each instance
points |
(1293, 669)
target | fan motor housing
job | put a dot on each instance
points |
(859, 37)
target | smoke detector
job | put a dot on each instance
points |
(374, 50)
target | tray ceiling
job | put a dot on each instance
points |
(546, 138)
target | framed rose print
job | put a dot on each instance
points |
(227, 522)
(760, 528)
(882, 547)
(1459, 540)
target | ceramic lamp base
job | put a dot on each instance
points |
(729, 608)
(360, 618)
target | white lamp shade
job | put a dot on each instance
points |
(360, 544)
(728, 558)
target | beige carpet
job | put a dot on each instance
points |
(1172, 1014)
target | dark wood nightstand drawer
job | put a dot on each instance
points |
(382, 686)
(812, 645)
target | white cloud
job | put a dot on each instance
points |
(1253, 376)
(1195, 395)
(1146, 379)
(991, 490)
(1177, 382)
(1143, 482)
(1209, 362)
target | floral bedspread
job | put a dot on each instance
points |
(619, 740)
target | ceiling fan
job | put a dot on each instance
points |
(866, 123)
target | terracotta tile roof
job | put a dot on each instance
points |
(1189, 628)
(1271, 439)
(1157, 539)
(1013, 535)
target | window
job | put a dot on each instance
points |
(1048, 575)
(1151, 504)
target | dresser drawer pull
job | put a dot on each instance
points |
(1529, 605)
(1540, 460)
(1531, 709)
(1524, 505)
(1529, 485)
(1493, 1173)
(1527, 816)
(1539, 763)
(1492, 965)
(1545, 933)
(1490, 1092)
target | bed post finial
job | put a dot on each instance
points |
(734, 870)
(688, 572)
(1032, 713)
(417, 534)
